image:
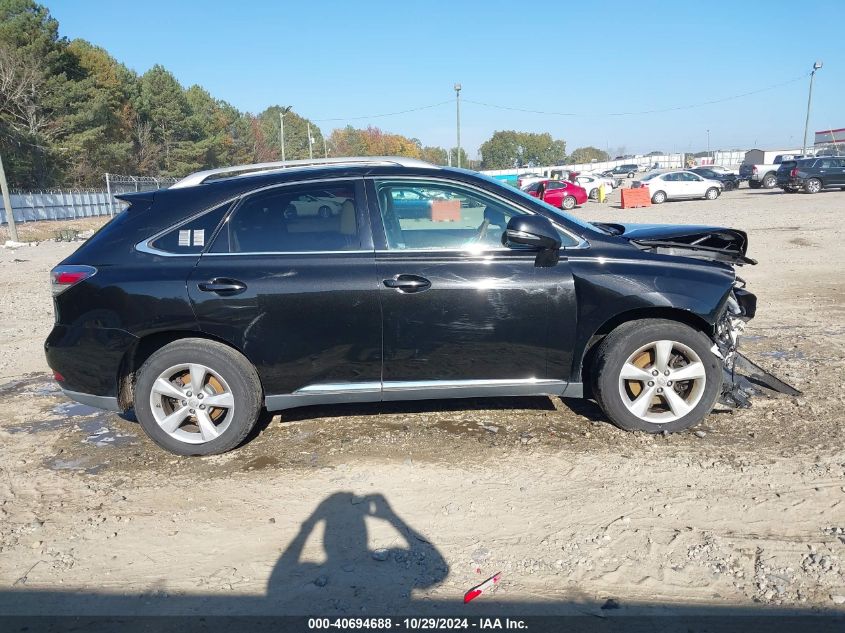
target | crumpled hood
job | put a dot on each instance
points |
(713, 243)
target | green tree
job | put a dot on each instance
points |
(162, 102)
(587, 155)
(507, 149)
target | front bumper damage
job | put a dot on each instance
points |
(742, 378)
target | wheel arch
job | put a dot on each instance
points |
(144, 347)
(584, 361)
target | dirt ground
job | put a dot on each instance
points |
(403, 507)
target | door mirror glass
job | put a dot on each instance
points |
(534, 231)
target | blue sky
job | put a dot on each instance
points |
(340, 60)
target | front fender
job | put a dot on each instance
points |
(609, 292)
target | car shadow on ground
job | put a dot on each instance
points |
(352, 580)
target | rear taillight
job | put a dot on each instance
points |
(754, 169)
(794, 173)
(63, 277)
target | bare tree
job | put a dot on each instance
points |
(21, 86)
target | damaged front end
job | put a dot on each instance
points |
(743, 379)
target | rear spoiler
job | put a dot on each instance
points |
(136, 196)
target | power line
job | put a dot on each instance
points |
(378, 116)
(655, 111)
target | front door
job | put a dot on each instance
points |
(290, 280)
(462, 314)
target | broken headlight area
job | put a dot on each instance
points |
(743, 378)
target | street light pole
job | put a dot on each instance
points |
(282, 114)
(458, 112)
(7, 204)
(816, 67)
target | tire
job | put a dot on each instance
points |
(568, 203)
(712, 193)
(224, 372)
(729, 185)
(659, 197)
(290, 212)
(754, 184)
(324, 212)
(631, 174)
(617, 397)
(594, 194)
(769, 181)
(813, 185)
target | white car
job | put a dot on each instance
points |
(525, 180)
(591, 184)
(678, 185)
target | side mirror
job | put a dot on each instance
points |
(535, 231)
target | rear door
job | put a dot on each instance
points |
(462, 314)
(294, 288)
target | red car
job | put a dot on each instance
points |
(558, 193)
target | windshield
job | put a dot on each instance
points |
(534, 201)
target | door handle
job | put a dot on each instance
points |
(408, 283)
(222, 286)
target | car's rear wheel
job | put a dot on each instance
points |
(729, 185)
(568, 203)
(197, 397)
(770, 181)
(655, 375)
(712, 193)
(594, 194)
(813, 185)
(659, 197)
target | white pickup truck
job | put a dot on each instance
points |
(760, 167)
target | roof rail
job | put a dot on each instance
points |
(199, 177)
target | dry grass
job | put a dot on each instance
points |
(46, 229)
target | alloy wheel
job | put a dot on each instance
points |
(192, 403)
(662, 381)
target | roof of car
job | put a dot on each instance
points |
(286, 167)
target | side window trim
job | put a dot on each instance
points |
(145, 245)
(377, 223)
(361, 215)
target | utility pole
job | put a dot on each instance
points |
(310, 140)
(458, 111)
(816, 67)
(325, 150)
(7, 204)
(708, 143)
(282, 114)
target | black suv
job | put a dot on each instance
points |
(235, 291)
(630, 170)
(812, 174)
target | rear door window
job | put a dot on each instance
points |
(296, 219)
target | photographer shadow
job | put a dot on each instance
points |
(354, 576)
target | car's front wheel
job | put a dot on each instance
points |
(659, 197)
(729, 185)
(594, 194)
(656, 375)
(197, 397)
